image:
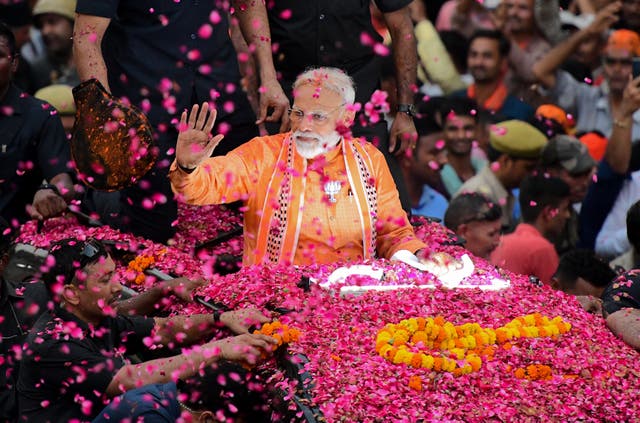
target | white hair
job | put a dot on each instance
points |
(333, 79)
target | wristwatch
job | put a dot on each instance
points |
(409, 109)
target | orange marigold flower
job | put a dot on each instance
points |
(415, 382)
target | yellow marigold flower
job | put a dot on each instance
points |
(399, 357)
(427, 361)
(384, 350)
(458, 353)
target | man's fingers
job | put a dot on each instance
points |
(202, 116)
(193, 116)
(210, 121)
(33, 212)
(212, 144)
(264, 105)
(183, 121)
(284, 126)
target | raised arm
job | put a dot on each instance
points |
(545, 69)
(432, 53)
(618, 149)
(88, 33)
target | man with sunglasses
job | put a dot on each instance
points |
(312, 195)
(73, 363)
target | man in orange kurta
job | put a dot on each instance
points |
(311, 195)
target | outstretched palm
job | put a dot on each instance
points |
(195, 142)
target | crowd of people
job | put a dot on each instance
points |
(515, 123)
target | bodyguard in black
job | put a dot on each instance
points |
(20, 306)
(33, 147)
(164, 56)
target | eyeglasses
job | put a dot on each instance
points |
(610, 61)
(296, 115)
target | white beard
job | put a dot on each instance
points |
(320, 145)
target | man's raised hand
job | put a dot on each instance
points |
(195, 142)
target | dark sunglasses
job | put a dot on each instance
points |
(610, 61)
(92, 250)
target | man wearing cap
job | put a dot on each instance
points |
(514, 151)
(32, 148)
(54, 19)
(60, 96)
(565, 157)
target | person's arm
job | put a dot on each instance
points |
(49, 200)
(618, 149)
(625, 324)
(544, 70)
(190, 329)
(403, 131)
(88, 33)
(254, 24)
(432, 53)
(243, 348)
(148, 302)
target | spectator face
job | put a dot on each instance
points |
(617, 68)
(558, 217)
(315, 116)
(484, 61)
(516, 170)
(96, 295)
(459, 133)
(581, 287)
(482, 236)
(56, 32)
(519, 16)
(7, 65)
(428, 158)
(631, 13)
(579, 184)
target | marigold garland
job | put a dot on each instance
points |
(459, 348)
(140, 264)
(534, 372)
(280, 332)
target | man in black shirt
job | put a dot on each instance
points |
(32, 148)
(74, 362)
(164, 56)
(20, 306)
